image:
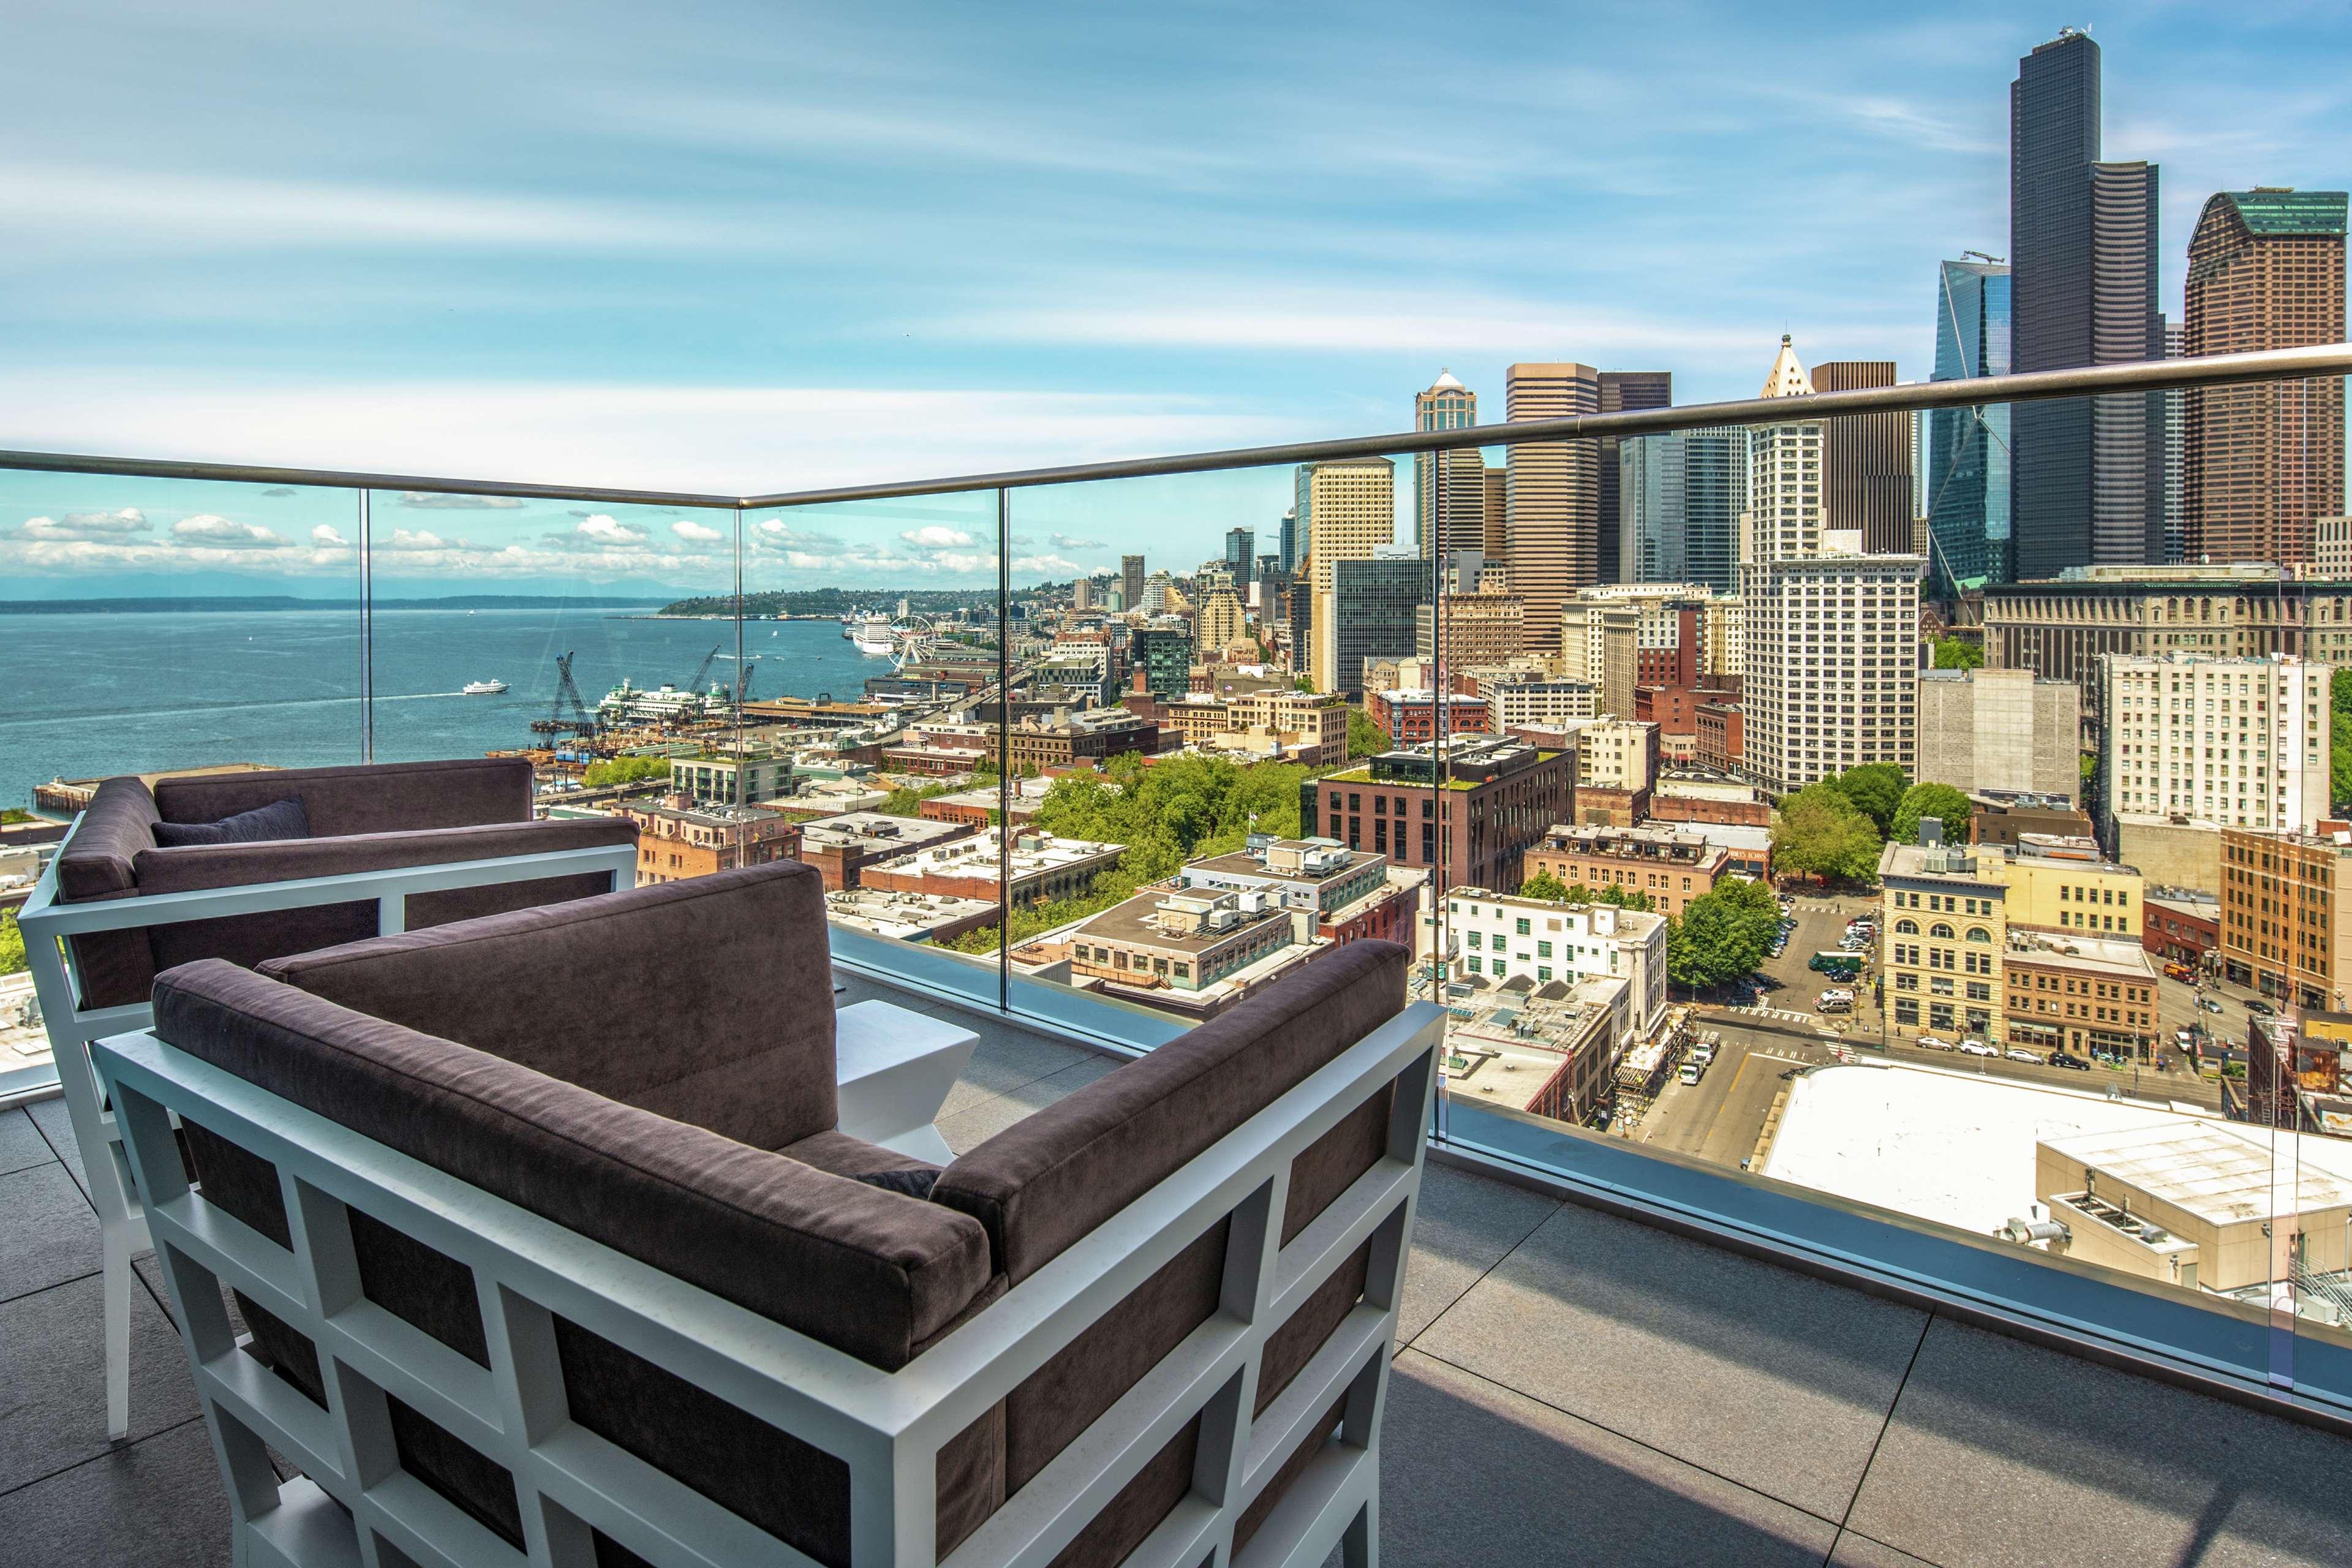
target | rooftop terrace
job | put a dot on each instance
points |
(1569, 1383)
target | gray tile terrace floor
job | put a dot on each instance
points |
(1571, 1387)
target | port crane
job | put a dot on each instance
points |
(702, 673)
(570, 715)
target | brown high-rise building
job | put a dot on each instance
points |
(1620, 392)
(1865, 461)
(1552, 532)
(1130, 581)
(2262, 461)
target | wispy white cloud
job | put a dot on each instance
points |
(697, 533)
(224, 533)
(433, 500)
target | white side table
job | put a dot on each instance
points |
(895, 1068)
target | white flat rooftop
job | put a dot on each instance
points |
(1957, 1147)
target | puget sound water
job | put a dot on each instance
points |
(84, 694)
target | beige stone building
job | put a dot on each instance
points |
(1347, 510)
(1945, 924)
(2000, 730)
(1472, 629)
(1600, 642)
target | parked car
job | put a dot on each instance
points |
(2260, 1008)
(2061, 1059)
(2209, 1004)
(1976, 1048)
(2016, 1055)
(1930, 1043)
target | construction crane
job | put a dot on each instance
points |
(570, 715)
(1980, 256)
(703, 674)
(743, 680)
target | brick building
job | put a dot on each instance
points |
(677, 839)
(1500, 797)
(1672, 868)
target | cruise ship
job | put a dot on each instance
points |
(483, 688)
(874, 634)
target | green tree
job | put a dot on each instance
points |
(1711, 945)
(1626, 899)
(1819, 832)
(1544, 885)
(1959, 653)
(1876, 789)
(1365, 738)
(1932, 800)
(12, 945)
(2340, 737)
(626, 771)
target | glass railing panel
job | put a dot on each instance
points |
(157, 626)
(599, 640)
(875, 632)
(1197, 702)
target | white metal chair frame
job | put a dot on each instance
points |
(888, 1427)
(46, 923)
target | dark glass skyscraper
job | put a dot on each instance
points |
(2088, 479)
(1623, 391)
(1967, 448)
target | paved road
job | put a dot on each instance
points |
(1719, 1117)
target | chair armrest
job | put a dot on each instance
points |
(195, 867)
(96, 862)
(387, 797)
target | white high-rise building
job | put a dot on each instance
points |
(2213, 743)
(1831, 636)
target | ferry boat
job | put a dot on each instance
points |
(484, 687)
(629, 703)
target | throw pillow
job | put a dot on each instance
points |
(278, 819)
(916, 1184)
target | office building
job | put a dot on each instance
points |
(2233, 611)
(1940, 959)
(2175, 450)
(1043, 867)
(1617, 760)
(1866, 482)
(1832, 666)
(1347, 512)
(1161, 655)
(1517, 701)
(1220, 625)
(1671, 867)
(1131, 580)
(1551, 524)
(1372, 610)
(2265, 461)
(1621, 391)
(1408, 715)
(677, 839)
(2189, 745)
(1500, 796)
(1449, 486)
(1599, 643)
(1783, 518)
(2092, 997)
(2062, 884)
(2286, 924)
(1968, 457)
(1289, 551)
(2089, 476)
(1464, 631)
(2000, 730)
(1682, 495)
(1241, 553)
(1497, 936)
(1497, 544)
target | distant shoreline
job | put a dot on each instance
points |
(216, 604)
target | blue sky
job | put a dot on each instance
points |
(762, 246)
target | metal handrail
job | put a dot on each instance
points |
(2139, 375)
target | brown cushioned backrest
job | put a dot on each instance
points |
(1057, 1176)
(115, 967)
(870, 1272)
(708, 1001)
(388, 797)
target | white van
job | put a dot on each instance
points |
(1691, 1072)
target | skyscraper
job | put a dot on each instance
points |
(1682, 494)
(1498, 515)
(1866, 461)
(1347, 510)
(2176, 451)
(1371, 610)
(2266, 459)
(1289, 551)
(1241, 550)
(1131, 580)
(1620, 392)
(1968, 504)
(2087, 481)
(1449, 486)
(1551, 523)
(1784, 465)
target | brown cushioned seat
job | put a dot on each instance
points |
(872, 1273)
